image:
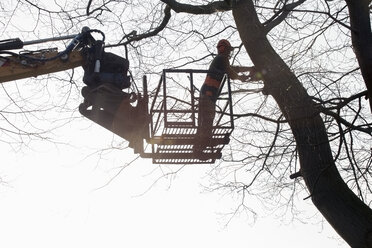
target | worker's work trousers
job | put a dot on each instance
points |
(206, 116)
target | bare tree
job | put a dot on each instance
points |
(305, 118)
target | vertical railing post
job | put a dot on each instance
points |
(192, 99)
(230, 102)
(165, 99)
(146, 106)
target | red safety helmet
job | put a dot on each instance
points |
(224, 46)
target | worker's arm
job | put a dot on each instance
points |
(234, 70)
(242, 68)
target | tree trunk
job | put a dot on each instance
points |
(361, 37)
(348, 215)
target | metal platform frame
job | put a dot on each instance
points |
(173, 120)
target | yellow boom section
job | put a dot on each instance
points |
(16, 67)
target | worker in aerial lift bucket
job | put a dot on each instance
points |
(210, 89)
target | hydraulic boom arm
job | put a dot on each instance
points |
(15, 67)
(26, 64)
(105, 76)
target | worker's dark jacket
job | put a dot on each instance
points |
(217, 70)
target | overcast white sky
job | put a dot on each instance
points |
(51, 200)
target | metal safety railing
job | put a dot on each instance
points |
(173, 118)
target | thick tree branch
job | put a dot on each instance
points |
(88, 7)
(280, 16)
(260, 116)
(209, 8)
(98, 9)
(342, 103)
(367, 130)
(134, 37)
